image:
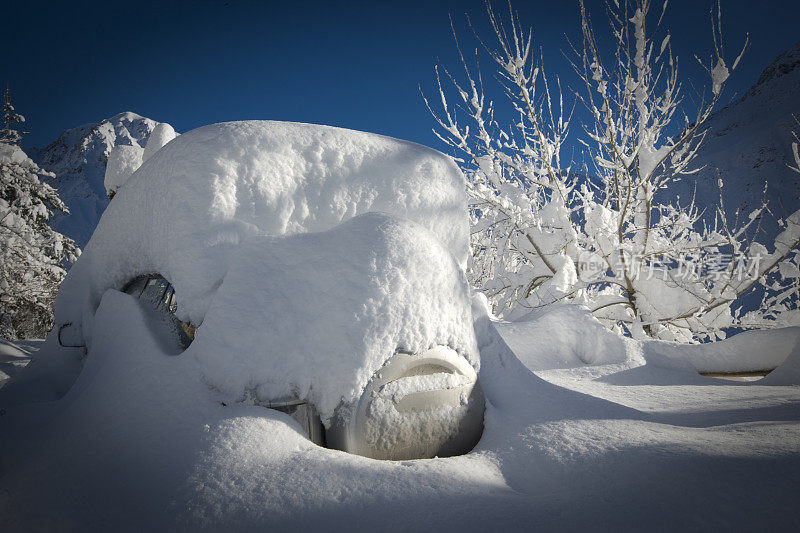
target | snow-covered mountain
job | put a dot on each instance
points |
(749, 143)
(79, 157)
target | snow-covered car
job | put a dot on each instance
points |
(309, 269)
(226, 223)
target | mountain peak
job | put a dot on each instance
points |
(784, 64)
(79, 157)
(125, 116)
(749, 143)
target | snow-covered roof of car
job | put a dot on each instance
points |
(187, 207)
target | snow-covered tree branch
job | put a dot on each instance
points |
(520, 190)
(644, 263)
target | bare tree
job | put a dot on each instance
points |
(642, 262)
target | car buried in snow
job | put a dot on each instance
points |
(416, 406)
(312, 270)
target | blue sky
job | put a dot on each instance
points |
(351, 64)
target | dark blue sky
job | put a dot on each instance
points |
(350, 64)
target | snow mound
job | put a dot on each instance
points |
(562, 336)
(186, 210)
(316, 315)
(748, 351)
(206, 212)
(141, 443)
(788, 373)
(123, 161)
(162, 134)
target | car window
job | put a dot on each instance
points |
(160, 295)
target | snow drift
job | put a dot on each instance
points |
(563, 336)
(264, 229)
(141, 443)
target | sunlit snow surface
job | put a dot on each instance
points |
(307, 255)
(583, 429)
(140, 441)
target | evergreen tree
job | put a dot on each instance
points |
(32, 254)
(8, 134)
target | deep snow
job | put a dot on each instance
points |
(314, 316)
(184, 212)
(140, 441)
(582, 339)
(268, 232)
(294, 237)
(124, 160)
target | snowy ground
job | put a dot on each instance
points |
(583, 429)
(632, 442)
(15, 355)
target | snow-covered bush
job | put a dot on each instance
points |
(644, 265)
(31, 253)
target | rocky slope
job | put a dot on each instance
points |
(749, 144)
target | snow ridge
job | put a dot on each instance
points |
(786, 63)
(749, 143)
